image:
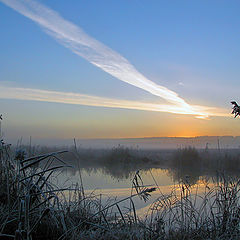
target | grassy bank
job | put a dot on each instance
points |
(31, 207)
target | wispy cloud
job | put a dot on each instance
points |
(74, 38)
(88, 100)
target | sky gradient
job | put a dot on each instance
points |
(177, 64)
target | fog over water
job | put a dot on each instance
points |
(110, 172)
(200, 142)
(115, 168)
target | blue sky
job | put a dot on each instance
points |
(189, 47)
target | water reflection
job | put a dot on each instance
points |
(186, 165)
(109, 173)
(115, 168)
(190, 166)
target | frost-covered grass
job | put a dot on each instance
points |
(31, 207)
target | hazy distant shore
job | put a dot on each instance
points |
(199, 142)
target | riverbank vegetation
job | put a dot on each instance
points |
(32, 207)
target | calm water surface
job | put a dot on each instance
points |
(112, 178)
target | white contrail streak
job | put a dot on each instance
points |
(82, 99)
(74, 38)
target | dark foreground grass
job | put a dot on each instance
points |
(31, 207)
